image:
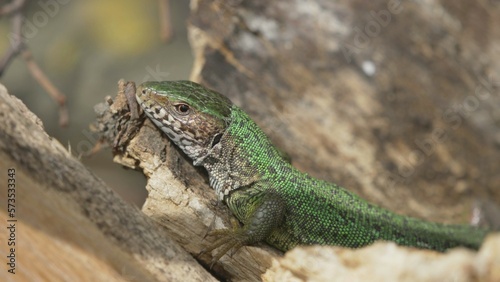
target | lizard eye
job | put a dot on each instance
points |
(183, 108)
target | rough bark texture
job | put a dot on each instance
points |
(387, 262)
(70, 225)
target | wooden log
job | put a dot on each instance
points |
(68, 224)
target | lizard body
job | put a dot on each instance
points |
(274, 201)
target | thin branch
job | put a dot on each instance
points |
(17, 45)
(44, 81)
(12, 7)
(166, 32)
(16, 42)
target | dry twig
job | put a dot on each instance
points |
(166, 32)
(15, 11)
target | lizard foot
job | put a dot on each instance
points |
(228, 239)
(268, 213)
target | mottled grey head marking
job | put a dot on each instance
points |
(193, 117)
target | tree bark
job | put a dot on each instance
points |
(69, 224)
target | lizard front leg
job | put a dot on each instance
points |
(260, 214)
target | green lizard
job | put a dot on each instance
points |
(275, 202)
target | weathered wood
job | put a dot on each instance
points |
(385, 261)
(70, 225)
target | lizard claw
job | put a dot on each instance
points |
(256, 227)
(228, 239)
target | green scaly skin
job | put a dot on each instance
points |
(275, 202)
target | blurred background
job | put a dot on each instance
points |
(85, 47)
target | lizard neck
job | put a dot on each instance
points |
(243, 156)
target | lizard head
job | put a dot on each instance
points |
(192, 116)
